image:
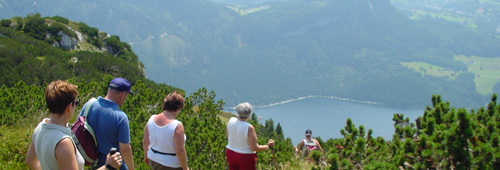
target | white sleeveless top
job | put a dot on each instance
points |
(237, 136)
(161, 139)
(308, 146)
(45, 138)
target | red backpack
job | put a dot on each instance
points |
(84, 137)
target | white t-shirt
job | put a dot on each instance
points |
(237, 136)
(161, 139)
(45, 138)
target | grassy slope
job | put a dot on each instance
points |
(469, 21)
(429, 69)
(225, 116)
(15, 142)
(487, 71)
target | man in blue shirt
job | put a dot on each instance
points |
(110, 124)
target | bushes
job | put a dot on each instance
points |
(20, 23)
(5, 22)
(15, 143)
(117, 46)
(93, 36)
(60, 19)
(36, 27)
(84, 28)
(55, 28)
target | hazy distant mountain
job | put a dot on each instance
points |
(245, 2)
(478, 15)
(483, 16)
(284, 50)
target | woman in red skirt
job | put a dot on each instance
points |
(242, 141)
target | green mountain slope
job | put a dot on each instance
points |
(36, 50)
(482, 16)
(336, 48)
(39, 50)
(291, 49)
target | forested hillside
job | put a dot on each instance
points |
(335, 48)
(481, 16)
(38, 50)
(444, 137)
(33, 52)
(289, 49)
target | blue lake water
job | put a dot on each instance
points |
(325, 117)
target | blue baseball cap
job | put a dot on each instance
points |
(309, 132)
(121, 84)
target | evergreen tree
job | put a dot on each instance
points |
(36, 27)
(279, 131)
(5, 22)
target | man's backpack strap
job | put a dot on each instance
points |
(87, 108)
(84, 136)
(89, 103)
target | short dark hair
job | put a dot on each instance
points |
(173, 102)
(58, 95)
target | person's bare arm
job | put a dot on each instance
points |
(127, 156)
(301, 146)
(114, 160)
(252, 140)
(66, 155)
(319, 146)
(31, 158)
(145, 144)
(180, 151)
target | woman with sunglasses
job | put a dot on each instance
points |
(52, 146)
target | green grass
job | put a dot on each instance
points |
(401, 1)
(487, 71)
(469, 22)
(15, 143)
(242, 10)
(429, 69)
(225, 116)
(490, 1)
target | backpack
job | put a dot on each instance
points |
(84, 137)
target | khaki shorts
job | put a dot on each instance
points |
(156, 166)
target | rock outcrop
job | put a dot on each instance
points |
(67, 41)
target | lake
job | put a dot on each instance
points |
(325, 117)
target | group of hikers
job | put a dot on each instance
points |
(52, 145)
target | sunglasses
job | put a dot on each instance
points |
(76, 102)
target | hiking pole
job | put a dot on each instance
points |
(274, 159)
(272, 151)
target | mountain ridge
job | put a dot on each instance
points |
(325, 47)
(38, 50)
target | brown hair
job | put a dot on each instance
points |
(58, 95)
(173, 102)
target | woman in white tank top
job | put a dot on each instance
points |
(242, 140)
(164, 138)
(308, 144)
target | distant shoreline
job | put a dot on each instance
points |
(310, 96)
